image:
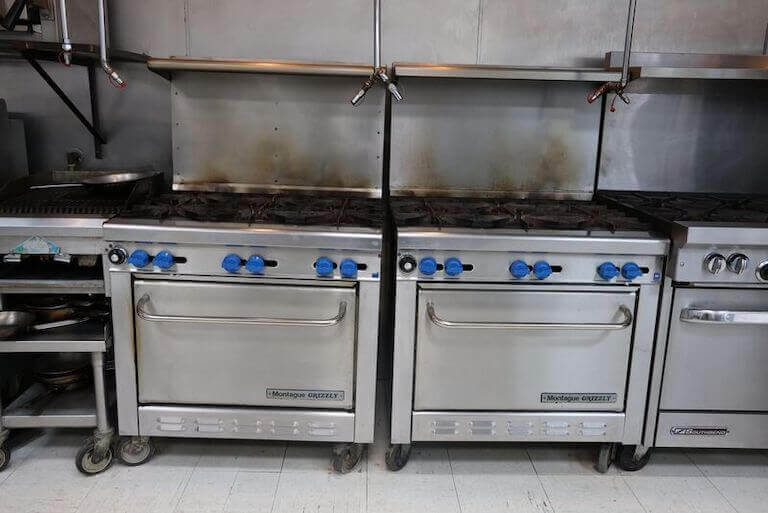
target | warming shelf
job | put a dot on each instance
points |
(259, 66)
(482, 71)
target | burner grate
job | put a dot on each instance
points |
(261, 209)
(692, 207)
(60, 202)
(512, 214)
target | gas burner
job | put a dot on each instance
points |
(261, 209)
(512, 214)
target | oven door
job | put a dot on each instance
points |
(214, 343)
(717, 354)
(528, 349)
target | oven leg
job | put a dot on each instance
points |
(347, 456)
(397, 456)
(5, 452)
(605, 457)
(95, 456)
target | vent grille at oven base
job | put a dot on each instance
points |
(533, 427)
(246, 423)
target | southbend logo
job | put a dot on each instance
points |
(698, 431)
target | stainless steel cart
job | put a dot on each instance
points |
(85, 407)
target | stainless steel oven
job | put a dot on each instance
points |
(514, 335)
(715, 381)
(247, 332)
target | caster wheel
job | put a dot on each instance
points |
(605, 458)
(86, 463)
(5, 456)
(397, 456)
(134, 451)
(626, 460)
(346, 457)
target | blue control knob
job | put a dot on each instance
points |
(542, 270)
(631, 270)
(324, 266)
(255, 264)
(232, 263)
(453, 267)
(348, 268)
(428, 266)
(519, 269)
(139, 258)
(607, 271)
(163, 260)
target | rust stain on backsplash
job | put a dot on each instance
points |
(553, 168)
(274, 161)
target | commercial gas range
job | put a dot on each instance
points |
(709, 376)
(522, 321)
(246, 316)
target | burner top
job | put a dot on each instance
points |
(69, 201)
(260, 209)
(693, 207)
(512, 214)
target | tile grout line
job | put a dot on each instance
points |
(453, 479)
(642, 506)
(186, 483)
(719, 491)
(541, 483)
(231, 487)
(279, 475)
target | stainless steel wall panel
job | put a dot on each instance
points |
(551, 33)
(703, 26)
(272, 131)
(430, 31)
(686, 143)
(148, 26)
(320, 30)
(455, 136)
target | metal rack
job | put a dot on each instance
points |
(41, 407)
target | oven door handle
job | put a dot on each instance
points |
(704, 316)
(443, 323)
(252, 321)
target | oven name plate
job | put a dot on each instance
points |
(549, 397)
(699, 431)
(305, 395)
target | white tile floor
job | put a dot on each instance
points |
(199, 476)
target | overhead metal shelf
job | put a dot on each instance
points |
(482, 71)
(164, 66)
(651, 70)
(82, 54)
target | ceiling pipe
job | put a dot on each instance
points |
(66, 43)
(618, 87)
(379, 73)
(114, 77)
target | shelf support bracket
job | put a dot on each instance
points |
(98, 137)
